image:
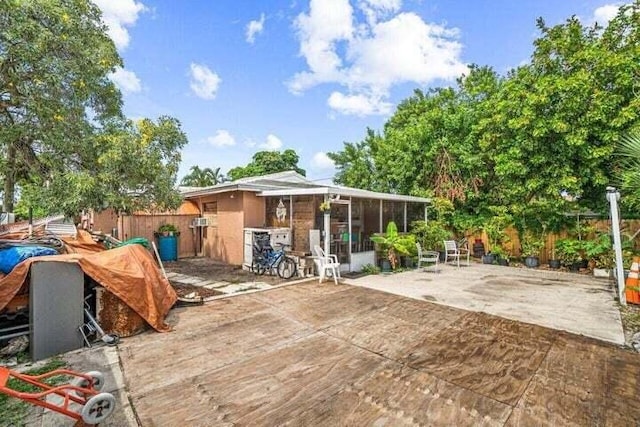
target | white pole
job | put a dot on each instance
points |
(405, 217)
(613, 196)
(381, 216)
(327, 228)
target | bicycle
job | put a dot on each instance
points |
(266, 258)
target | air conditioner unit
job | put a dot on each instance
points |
(200, 222)
(7, 218)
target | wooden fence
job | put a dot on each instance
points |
(145, 225)
(628, 227)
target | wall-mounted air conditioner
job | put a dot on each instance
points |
(200, 222)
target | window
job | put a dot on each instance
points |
(210, 208)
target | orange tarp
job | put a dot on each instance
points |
(129, 272)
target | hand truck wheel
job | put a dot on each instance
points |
(98, 408)
(97, 382)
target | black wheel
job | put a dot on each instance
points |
(258, 268)
(286, 268)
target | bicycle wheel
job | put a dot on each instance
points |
(258, 268)
(286, 268)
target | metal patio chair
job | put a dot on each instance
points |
(428, 257)
(453, 252)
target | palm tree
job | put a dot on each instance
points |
(202, 177)
(629, 174)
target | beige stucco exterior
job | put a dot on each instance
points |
(223, 239)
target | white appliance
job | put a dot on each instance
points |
(7, 218)
(200, 222)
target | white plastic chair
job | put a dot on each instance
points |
(453, 252)
(428, 257)
(326, 264)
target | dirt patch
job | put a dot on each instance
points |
(182, 289)
(209, 269)
(630, 320)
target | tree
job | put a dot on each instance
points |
(531, 141)
(63, 138)
(130, 166)
(355, 166)
(54, 88)
(202, 177)
(266, 162)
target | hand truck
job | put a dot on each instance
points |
(84, 390)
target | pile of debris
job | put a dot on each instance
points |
(123, 286)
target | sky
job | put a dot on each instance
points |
(245, 76)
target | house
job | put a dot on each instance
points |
(288, 200)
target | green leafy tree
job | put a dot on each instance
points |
(205, 177)
(266, 162)
(63, 139)
(537, 141)
(130, 166)
(54, 88)
(355, 165)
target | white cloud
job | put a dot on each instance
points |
(368, 58)
(272, 143)
(222, 138)
(117, 16)
(126, 80)
(604, 14)
(376, 9)
(204, 82)
(320, 160)
(254, 28)
(358, 105)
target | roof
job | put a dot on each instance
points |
(291, 183)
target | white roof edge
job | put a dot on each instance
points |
(217, 190)
(343, 191)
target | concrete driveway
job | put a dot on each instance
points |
(565, 301)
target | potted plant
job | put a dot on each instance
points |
(531, 245)
(554, 263)
(568, 251)
(392, 244)
(600, 252)
(325, 207)
(167, 236)
(168, 230)
(495, 228)
(501, 256)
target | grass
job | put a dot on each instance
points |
(14, 411)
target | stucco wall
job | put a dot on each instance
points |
(224, 238)
(254, 210)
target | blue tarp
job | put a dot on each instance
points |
(10, 257)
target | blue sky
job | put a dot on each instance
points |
(244, 76)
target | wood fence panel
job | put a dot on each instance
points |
(628, 227)
(146, 225)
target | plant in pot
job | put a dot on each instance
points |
(167, 230)
(568, 251)
(495, 228)
(554, 263)
(600, 252)
(531, 245)
(501, 256)
(392, 244)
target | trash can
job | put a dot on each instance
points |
(168, 248)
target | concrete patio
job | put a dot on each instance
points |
(566, 301)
